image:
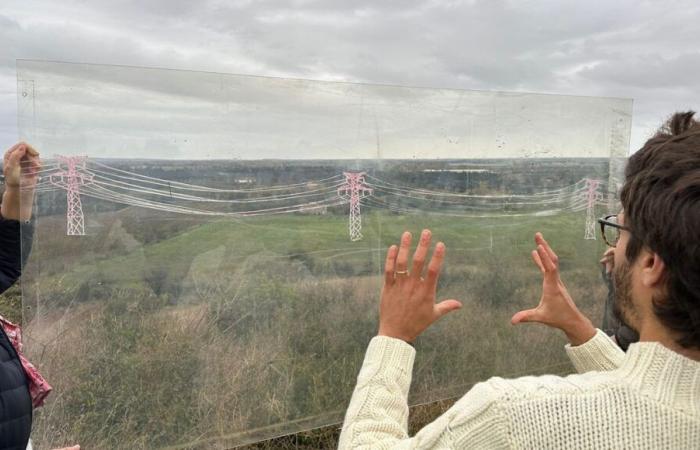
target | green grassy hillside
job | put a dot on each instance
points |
(217, 333)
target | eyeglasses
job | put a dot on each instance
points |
(612, 235)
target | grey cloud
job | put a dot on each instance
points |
(114, 110)
(622, 49)
(652, 71)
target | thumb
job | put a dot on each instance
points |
(17, 155)
(447, 306)
(31, 151)
(528, 315)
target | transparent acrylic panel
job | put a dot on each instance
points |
(208, 250)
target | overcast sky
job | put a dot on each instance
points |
(131, 112)
(647, 51)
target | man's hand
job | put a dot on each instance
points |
(608, 260)
(75, 447)
(21, 166)
(556, 309)
(408, 305)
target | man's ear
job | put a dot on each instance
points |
(653, 269)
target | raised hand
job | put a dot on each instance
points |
(21, 166)
(408, 305)
(608, 260)
(556, 308)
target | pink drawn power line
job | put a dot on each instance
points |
(592, 198)
(71, 180)
(355, 190)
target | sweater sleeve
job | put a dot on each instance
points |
(600, 353)
(377, 417)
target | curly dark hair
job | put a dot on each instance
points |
(661, 202)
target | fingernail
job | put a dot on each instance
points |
(439, 248)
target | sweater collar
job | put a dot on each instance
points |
(663, 374)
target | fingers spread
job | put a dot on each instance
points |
(402, 258)
(539, 239)
(549, 267)
(420, 255)
(435, 266)
(538, 261)
(390, 265)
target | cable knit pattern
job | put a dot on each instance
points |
(647, 398)
(599, 353)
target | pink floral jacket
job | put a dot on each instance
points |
(38, 387)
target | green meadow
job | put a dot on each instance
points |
(165, 331)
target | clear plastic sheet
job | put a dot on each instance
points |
(206, 264)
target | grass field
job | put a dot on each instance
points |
(166, 332)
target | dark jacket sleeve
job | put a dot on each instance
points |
(15, 245)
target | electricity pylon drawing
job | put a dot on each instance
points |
(355, 190)
(592, 198)
(71, 180)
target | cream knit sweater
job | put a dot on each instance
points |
(647, 398)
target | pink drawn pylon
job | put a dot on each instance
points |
(71, 180)
(592, 198)
(355, 190)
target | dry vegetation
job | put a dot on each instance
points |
(213, 335)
